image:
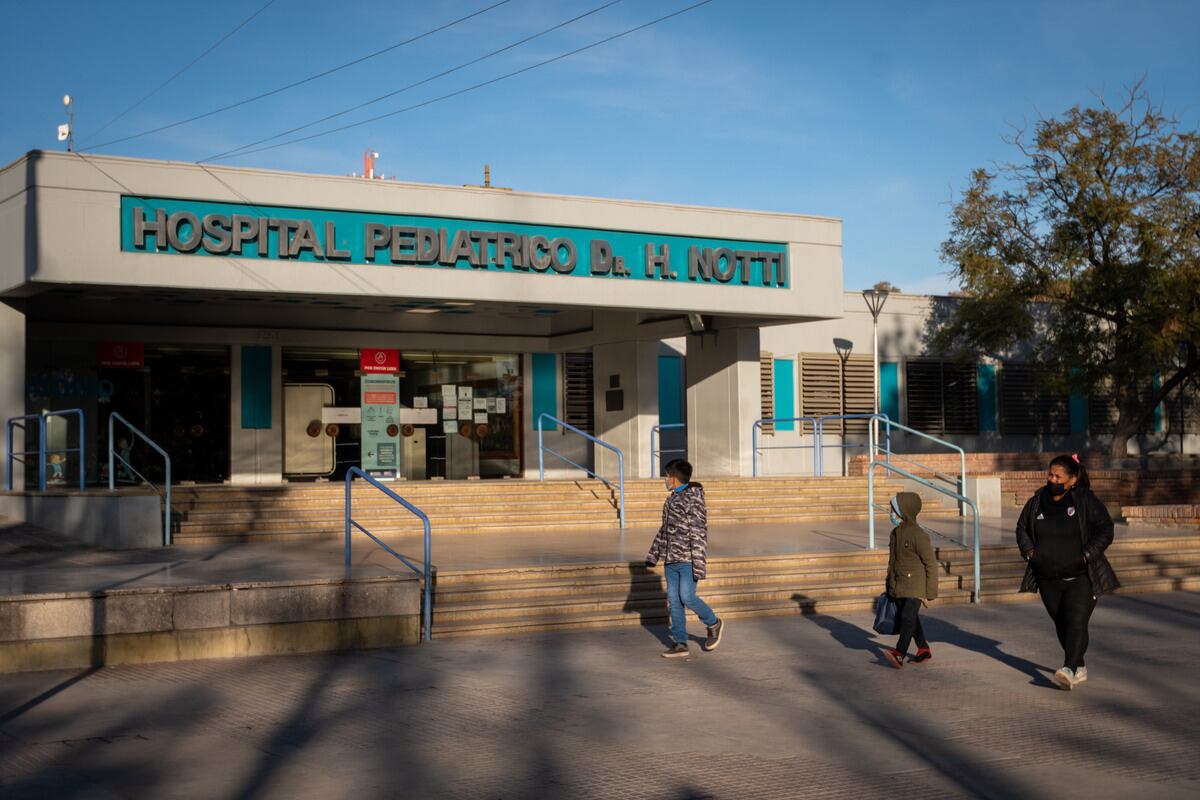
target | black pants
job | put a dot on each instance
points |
(1070, 604)
(908, 610)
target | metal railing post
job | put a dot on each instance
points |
(754, 442)
(653, 430)
(349, 483)
(428, 585)
(115, 417)
(621, 480)
(871, 505)
(82, 449)
(41, 453)
(425, 571)
(571, 428)
(819, 455)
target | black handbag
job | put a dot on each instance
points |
(887, 618)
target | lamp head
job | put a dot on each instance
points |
(875, 299)
(66, 99)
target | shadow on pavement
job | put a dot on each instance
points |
(645, 598)
(939, 630)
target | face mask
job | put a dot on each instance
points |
(667, 483)
(894, 512)
(895, 520)
(1056, 489)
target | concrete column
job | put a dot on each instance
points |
(256, 454)
(723, 400)
(633, 368)
(12, 381)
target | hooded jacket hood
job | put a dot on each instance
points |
(907, 505)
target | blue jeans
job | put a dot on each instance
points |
(681, 591)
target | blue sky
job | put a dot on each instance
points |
(874, 112)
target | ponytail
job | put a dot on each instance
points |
(1074, 468)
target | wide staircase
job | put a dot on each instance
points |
(568, 597)
(205, 515)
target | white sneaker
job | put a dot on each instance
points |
(1065, 678)
(1080, 675)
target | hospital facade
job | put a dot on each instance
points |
(265, 326)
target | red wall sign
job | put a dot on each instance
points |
(379, 360)
(121, 355)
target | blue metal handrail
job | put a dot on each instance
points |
(757, 426)
(19, 456)
(962, 499)
(112, 474)
(351, 523)
(80, 450)
(960, 482)
(653, 432)
(870, 437)
(620, 458)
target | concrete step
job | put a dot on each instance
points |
(659, 616)
(472, 508)
(521, 624)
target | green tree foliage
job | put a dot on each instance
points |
(1087, 250)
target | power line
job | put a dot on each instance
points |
(472, 88)
(421, 82)
(300, 82)
(184, 69)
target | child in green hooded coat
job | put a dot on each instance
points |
(912, 577)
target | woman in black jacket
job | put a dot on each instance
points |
(1063, 532)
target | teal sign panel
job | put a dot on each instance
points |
(889, 390)
(670, 390)
(256, 388)
(545, 387)
(785, 393)
(278, 233)
(987, 398)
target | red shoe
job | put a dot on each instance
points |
(923, 654)
(894, 657)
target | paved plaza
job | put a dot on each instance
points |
(788, 707)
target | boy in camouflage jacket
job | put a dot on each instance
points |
(682, 543)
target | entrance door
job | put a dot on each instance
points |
(474, 432)
(180, 399)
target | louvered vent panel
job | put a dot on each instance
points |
(1184, 409)
(923, 393)
(960, 398)
(1102, 410)
(766, 390)
(828, 388)
(1025, 409)
(820, 386)
(579, 406)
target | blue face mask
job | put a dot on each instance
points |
(894, 513)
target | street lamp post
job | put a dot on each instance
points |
(843, 348)
(875, 299)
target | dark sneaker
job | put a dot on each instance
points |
(923, 654)
(894, 657)
(677, 651)
(714, 635)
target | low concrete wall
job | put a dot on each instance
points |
(81, 629)
(106, 519)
